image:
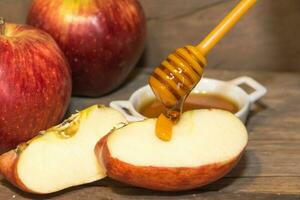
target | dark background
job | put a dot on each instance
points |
(268, 38)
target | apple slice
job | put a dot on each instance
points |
(206, 144)
(62, 156)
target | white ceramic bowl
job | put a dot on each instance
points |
(229, 89)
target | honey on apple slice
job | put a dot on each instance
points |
(163, 128)
(198, 153)
(172, 82)
(177, 75)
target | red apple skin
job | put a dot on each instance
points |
(35, 84)
(102, 39)
(161, 178)
(8, 169)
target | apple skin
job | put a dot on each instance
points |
(35, 84)
(102, 39)
(65, 133)
(8, 163)
(161, 178)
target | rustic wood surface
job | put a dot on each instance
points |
(265, 46)
(265, 39)
(268, 170)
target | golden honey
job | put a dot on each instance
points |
(175, 78)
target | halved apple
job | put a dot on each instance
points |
(206, 144)
(62, 156)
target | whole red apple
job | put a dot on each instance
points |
(35, 83)
(102, 39)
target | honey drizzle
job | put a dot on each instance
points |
(189, 63)
(172, 82)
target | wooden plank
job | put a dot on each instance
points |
(263, 40)
(224, 191)
(273, 185)
(269, 160)
(263, 36)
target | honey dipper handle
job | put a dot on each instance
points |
(226, 24)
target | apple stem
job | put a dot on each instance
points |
(2, 26)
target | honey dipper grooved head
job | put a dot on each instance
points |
(177, 75)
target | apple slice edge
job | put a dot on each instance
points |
(10, 161)
(167, 178)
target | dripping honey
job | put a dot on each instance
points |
(172, 82)
(175, 78)
(154, 108)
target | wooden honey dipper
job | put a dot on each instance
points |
(175, 78)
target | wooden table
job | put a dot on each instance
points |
(270, 168)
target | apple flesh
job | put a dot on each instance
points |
(102, 39)
(62, 156)
(35, 83)
(206, 144)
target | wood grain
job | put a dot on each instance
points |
(265, 46)
(225, 189)
(265, 39)
(268, 170)
(264, 36)
(107, 193)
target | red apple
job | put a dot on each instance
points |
(205, 145)
(35, 83)
(102, 39)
